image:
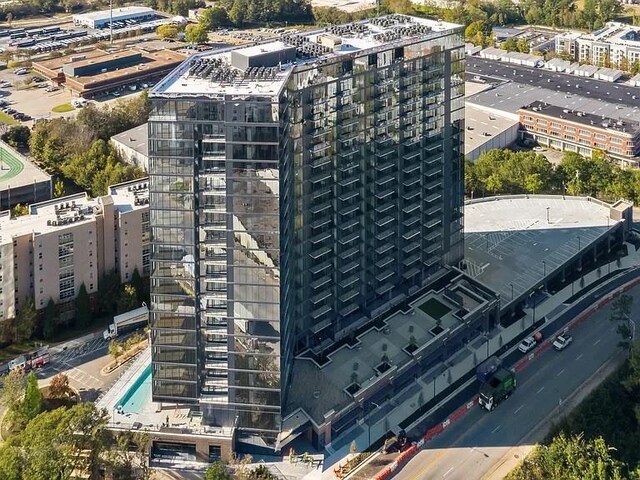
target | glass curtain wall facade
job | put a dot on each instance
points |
(377, 153)
(215, 210)
(281, 223)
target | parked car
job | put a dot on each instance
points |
(51, 88)
(527, 344)
(21, 71)
(562, 342)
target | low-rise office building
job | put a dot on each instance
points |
(95, 72)
(88, 237)
(580, 132)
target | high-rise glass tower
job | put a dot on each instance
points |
(299, 189)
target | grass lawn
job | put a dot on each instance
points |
(434, 308)
(65, 107)
(8, 119)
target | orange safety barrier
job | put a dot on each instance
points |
(460, 412)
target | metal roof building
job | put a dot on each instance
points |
(102, 18)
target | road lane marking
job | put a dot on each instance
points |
(496, 429)
(447, 472)
(596, 342)
(579, 357)
(428, 464)
(518, 409)
(560, 373)
(541, 388)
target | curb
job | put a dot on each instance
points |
(404, 457)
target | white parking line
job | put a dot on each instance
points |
(579, 357)
(447, 472)
(560, 373)
(541, 388)
(596, 342)
(496, 429)
(518, 409)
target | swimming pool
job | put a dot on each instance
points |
(138, 394)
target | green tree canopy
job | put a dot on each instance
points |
(196, 34)
(33, 398)
(569, 458)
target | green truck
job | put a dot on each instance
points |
(497, 388)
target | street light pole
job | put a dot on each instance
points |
(511, 284)
(548, 215)
(544, 269)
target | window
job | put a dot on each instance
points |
(555, 125)
(570, 129)
(570, 138)
(616, 140)
(600, 136)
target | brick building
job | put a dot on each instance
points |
(584, 133)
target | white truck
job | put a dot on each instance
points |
(126, 322)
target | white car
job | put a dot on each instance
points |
(562, 342)
(538, 149)
(527, 344)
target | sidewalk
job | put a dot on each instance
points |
(432, 383)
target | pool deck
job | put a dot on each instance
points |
(153, 416)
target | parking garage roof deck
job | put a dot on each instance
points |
(508, 240)
(352, 37)
(629, 127)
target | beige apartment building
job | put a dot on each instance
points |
(66, 242)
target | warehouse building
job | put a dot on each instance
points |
(103, 18)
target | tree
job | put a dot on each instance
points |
(12, 391)
(167, 31)
(20, 209)
(238, 11)
(213, 18)
(217, 471)
(26, 321)
(196, 34)
(83, 308)
(59, 386)
(128, 299)
(17, 136)
(49, 324)
(115, 350)
(569, 458)
(140, 285)
(58, 189)
(32, 403)
(10, 462)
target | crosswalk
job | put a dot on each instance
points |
(83, 378)
(71, 355)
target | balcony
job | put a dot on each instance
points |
(384, 249)
(319, 253)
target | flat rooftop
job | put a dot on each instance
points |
(224, 78)
(137, 139)
(507, 239)
(117, 13)
(52, 215)
(432, 317)
(537, 83)
(629, 127)
(481, 126)
(16, 171)
(130, 196)
(509, 97)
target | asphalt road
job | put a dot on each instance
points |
(471, 447)
(572, 84)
